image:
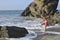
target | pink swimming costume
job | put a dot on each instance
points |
(46, 23)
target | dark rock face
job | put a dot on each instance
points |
(16, 32)
(0, 31)
(46, 7)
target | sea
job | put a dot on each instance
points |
(14, 18)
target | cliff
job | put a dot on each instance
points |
(46, 7)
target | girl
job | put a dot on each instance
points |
(45, 22)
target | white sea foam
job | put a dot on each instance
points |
(19, 21)
(29, 23)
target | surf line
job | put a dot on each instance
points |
(51, 32)
(39, 27)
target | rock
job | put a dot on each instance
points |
(0, 31)
(16, 32)
(46, 7)
(41, 7)
(4, 32)
(54, 19)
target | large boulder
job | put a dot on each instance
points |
(41, 7)
(14, 32)
(46, 7)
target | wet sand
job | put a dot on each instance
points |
(47, 36)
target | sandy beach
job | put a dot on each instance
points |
(47, 36)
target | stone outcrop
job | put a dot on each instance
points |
(12, 32)
(46, 7)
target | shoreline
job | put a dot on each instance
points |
(49, 36)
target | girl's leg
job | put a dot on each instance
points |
(44, 28)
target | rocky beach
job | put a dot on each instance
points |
(47, 8)
(30, 17)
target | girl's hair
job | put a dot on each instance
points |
(43, 16)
